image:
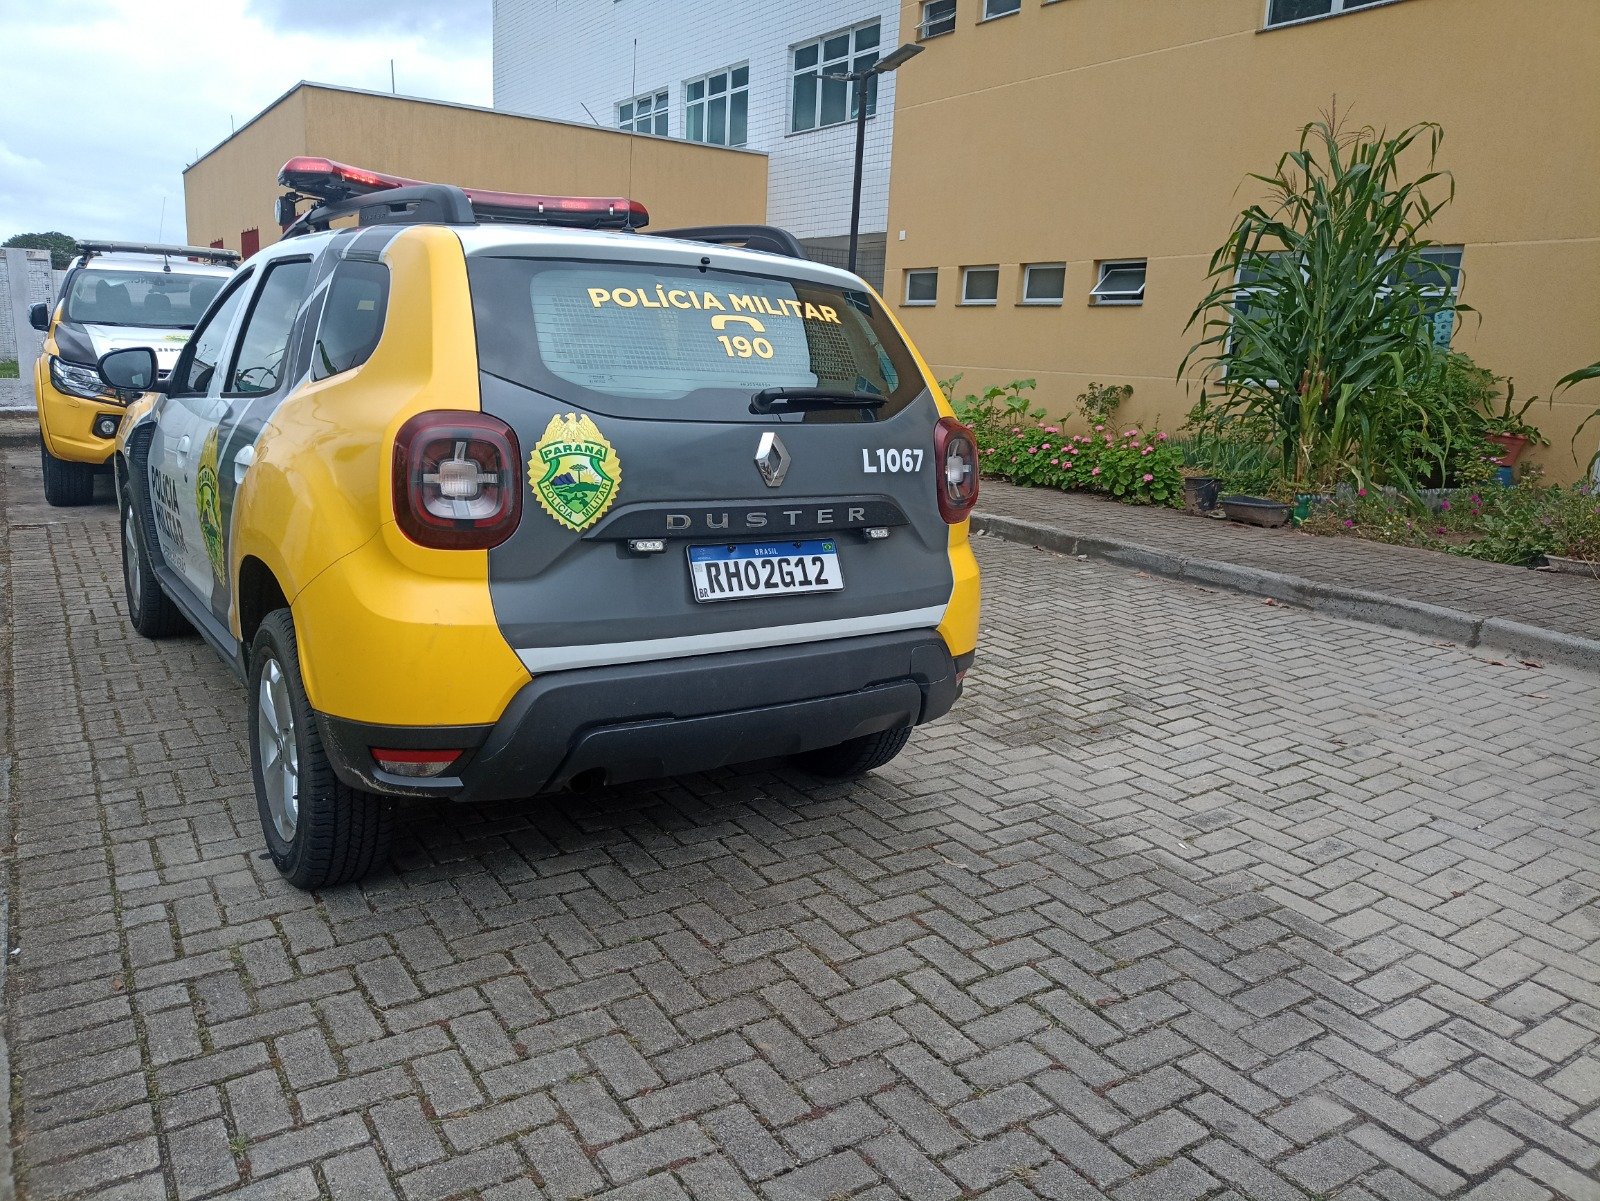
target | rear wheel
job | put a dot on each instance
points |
(855, 756)
(319, 831)
(150, 610)
(66, 485)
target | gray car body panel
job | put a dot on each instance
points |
(566, 599)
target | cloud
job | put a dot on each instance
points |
(132, 101)
(457, 20)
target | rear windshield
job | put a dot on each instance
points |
(157, 299)
(639, 339)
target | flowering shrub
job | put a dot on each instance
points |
(1128, 464)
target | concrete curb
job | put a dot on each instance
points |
(1472, 630)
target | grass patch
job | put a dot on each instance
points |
(8, 368)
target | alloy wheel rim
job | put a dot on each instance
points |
(130, 559)
(279, 751)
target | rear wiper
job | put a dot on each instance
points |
(800, 400)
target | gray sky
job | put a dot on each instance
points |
(115, 97)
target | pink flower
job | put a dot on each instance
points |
(1033, 450)
(1162, 437)
(1055, 462)
(1044, 446)
(1348, 524)
(1096, 471)
(1444, 504)
(1361, 492)
(1051, 429)
(1148, 477)
(1130, 433)
(1068, 464)
(1099, 429)
(1147, 450)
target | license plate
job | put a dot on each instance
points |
(764, 569)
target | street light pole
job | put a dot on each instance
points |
(861, 79)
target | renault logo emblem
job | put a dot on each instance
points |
(772, 457)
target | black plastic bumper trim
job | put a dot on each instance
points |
(650, 720)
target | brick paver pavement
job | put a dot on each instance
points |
(1193, 896)
(1566, 603)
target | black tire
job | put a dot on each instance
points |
(337, 834)
(856, 756)
(66, 485)
(150, 610)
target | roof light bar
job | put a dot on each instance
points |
(331, 181)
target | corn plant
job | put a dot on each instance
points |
(1320, 313)
(1591, 372)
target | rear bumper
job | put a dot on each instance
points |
(649, 720)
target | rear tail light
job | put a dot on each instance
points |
(457, 480)
(416, 764)
(955, 456)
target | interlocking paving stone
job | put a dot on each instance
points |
(1191, 897)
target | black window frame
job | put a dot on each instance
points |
(186, 356)
(268, 268)
(314, 338)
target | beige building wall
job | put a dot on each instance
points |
(232, 188)
(1078, 131)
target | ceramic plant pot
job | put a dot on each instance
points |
(1256, 510)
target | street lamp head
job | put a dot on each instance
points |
(896, 59)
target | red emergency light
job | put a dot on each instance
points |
(331, 181)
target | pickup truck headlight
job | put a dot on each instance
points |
(75, 380)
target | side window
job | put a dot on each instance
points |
(198, 362)
(352, 318)
(264, 344)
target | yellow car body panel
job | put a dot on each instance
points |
(315, 509)
(959, 627)
(66, 423)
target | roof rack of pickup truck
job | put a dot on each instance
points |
(377, 198)
(205, 253)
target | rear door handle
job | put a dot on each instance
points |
(183, 447)
(242, 463)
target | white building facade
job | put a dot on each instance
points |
(747, 73)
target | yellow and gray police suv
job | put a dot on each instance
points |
(490, 495)
(115, 294)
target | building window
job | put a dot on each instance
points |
(1439, 275)
(716, 107)
(938, 16)
(1119, 282)
(644, 114)
(1287, 12)
(1044, 283)
(818, 101)
(980, 285)
(1000, 8)
(922, 286)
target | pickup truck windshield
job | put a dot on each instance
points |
(637, 339)
(154, 299)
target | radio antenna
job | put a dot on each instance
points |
(632, 134)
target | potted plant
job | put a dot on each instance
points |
(1508, 428)
(1200, 490)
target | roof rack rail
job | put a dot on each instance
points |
(437, 203)
(766, 238)
(210, 253)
